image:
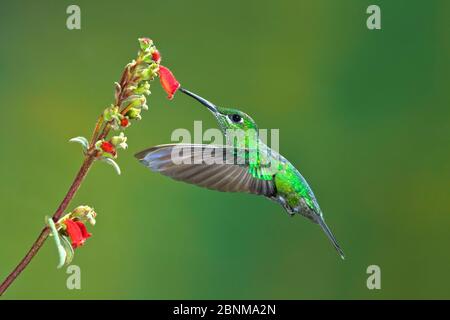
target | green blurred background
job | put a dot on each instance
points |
(363, 114)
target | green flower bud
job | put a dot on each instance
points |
(145, 43)
(148, 72)
(111, 113)
(147, 58)
(151, 56)
(134, 114)
(154, 66)
(84, 213)
(134, 101)
(143, 88)
(120, 141)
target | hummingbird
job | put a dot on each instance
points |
(255, 168)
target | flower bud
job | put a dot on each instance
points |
(111, 113)
(143, 88)
(145, 43)
(84, 213)
(106, 147)
(120, 141)
(124, 122)
(134, 101)
(156, 56)
(148, 73)
(134, 113)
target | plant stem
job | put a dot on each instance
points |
(101, 131)
(88, 161)
(97, 128)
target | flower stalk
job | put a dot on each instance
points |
(129, 102)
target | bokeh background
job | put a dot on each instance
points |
(364, 115)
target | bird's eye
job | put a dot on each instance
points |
(236, 118)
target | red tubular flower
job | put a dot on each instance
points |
(108, 147)
(77, 232)
(156, 56)
(168, 81)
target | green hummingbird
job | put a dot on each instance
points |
(254, 167)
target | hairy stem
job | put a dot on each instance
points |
(100, 132)
(88, 161)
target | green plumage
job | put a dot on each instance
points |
(256, 168)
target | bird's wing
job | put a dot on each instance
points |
(219, 168)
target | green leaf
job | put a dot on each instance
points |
(113, 163)
(81, 140)
(61, 250)
(68, 249)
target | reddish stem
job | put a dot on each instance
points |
(90, 158)
(46, 231)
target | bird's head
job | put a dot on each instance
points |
(228, 118)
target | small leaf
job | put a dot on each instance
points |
(68, 249)
(62, 256)
(113, 163)
(81, 140)
(61, 251)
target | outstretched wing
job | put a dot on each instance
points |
(221, 168)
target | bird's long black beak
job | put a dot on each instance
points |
(205, 102)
